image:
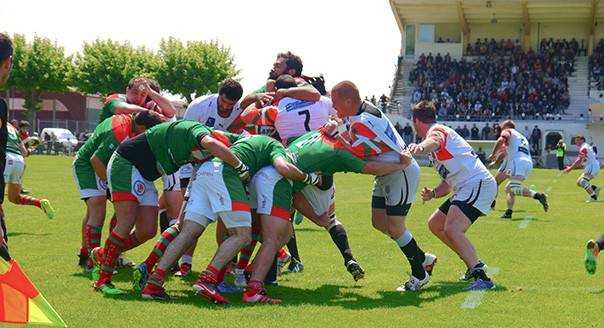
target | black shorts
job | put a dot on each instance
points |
(184, 183)
(398, 210)
(470, 211)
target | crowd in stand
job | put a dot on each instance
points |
(501, 80)
(596, 65)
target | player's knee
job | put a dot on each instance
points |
(243, 236)
(451, 231)
(395, 229)
(435, 227)
(94, 203)
(147, 233)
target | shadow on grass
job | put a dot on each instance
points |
(531, 219)
(310, 229)
(15, 234)
(326, 295)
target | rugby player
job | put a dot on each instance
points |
(141, 94)
(90, 169)
(271, 194)
(297, 111)
(462, 173)
(217, 192)
(372, 136)
(592, 250)
(13, 172)
(6, 65)
(136, 163)
(587, 158)
(518, 165)
(216, 111)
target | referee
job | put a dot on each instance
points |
(6, 64)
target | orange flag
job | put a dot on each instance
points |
(20, 301)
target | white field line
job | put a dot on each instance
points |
(524, 223)
(473, 300)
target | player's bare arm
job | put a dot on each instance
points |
(99, 168)
(430, 144)
(259, 99)
(167, 109)
(577, 163)
(219, 150)
(300, 93)
(289, 170)
(382, 168)
(126, 108)
(439, 191)
(502, 141)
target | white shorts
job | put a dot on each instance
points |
(396, 191)
(320, 200)
(271, 193)
(474, 198)
(171, 182)
(89, 184)
(129, 186)
(186, 171)
(519, 168)
(210, 198)
(591, 169)
(13, 171)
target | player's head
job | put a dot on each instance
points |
(579, 140)
(508, 124)
(286, 63)
(6, 58)
(24, 125)
(346, 99)
(134, 95)
(285, 81)
(424, 115)
(146, 119)
(229, 93)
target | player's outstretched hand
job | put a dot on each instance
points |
(427, 194)
(264, 99)
(415, 149)
(567, 169)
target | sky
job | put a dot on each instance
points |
(355, 40)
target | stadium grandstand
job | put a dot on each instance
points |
(538, 62)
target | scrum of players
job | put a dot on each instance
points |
(248, 163)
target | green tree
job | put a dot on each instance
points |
(106, 66)
(194, 68)
(38, 67)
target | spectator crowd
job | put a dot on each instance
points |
(596, 65)
(500, 81)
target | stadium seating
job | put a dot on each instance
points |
(497, 79)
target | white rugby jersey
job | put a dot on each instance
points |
(373, 135)
(296, 117)
(586, 151)
(205, 110)
(517, 145)
(455, 159)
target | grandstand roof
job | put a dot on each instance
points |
(505, 11)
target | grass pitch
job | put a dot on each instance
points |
(541, 279)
